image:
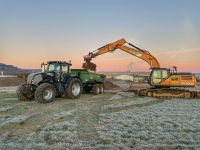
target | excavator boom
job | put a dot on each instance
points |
(145, 55)
(120, 44)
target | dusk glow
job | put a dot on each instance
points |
(36, 31)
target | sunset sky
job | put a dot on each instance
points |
(33, 31)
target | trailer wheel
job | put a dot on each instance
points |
(198, 95)
(96, 89)
(45, 93)
(101, 86)
(74, 89)
(20, 93)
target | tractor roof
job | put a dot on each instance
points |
(61, 62)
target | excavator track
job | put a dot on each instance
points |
(168, 93)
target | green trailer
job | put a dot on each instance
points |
(91, 81)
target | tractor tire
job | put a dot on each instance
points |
(96, 89)
(45, 93)
(74, 89)
(20, 93)
(101, 86)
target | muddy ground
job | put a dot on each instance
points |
(10, 81)
(113, 120)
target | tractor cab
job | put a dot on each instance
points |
(56, 66)
(58, 69)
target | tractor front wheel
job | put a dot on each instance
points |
(22, 93)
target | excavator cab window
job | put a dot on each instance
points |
(158, 75)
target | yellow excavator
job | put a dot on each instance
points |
(162, 80)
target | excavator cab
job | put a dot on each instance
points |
(163, 77)
(158, 75)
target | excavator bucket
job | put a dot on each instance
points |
(89, 66)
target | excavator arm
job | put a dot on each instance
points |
(104, 49)
(120, 44)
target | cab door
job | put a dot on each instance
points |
(65, 74)
(158, 75)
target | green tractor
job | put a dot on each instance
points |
(58, 79)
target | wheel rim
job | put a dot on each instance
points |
(102, 89)
(98, 90)
(48, 93)
(76, 89)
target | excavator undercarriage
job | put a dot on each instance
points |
(165, 92)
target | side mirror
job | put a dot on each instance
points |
(42, 64)
(70, 62)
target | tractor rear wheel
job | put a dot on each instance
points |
(45, 93)
(21, 95)
(74, 89)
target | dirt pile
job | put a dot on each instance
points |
(136, 86)
(109, 85)
(11, 81)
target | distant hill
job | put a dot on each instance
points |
(13, 70)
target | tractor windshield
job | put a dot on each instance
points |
(54, 67)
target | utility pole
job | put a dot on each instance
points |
(130, 67)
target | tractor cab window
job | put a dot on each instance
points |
(158, 75)
(54, 67)
(65, 68)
